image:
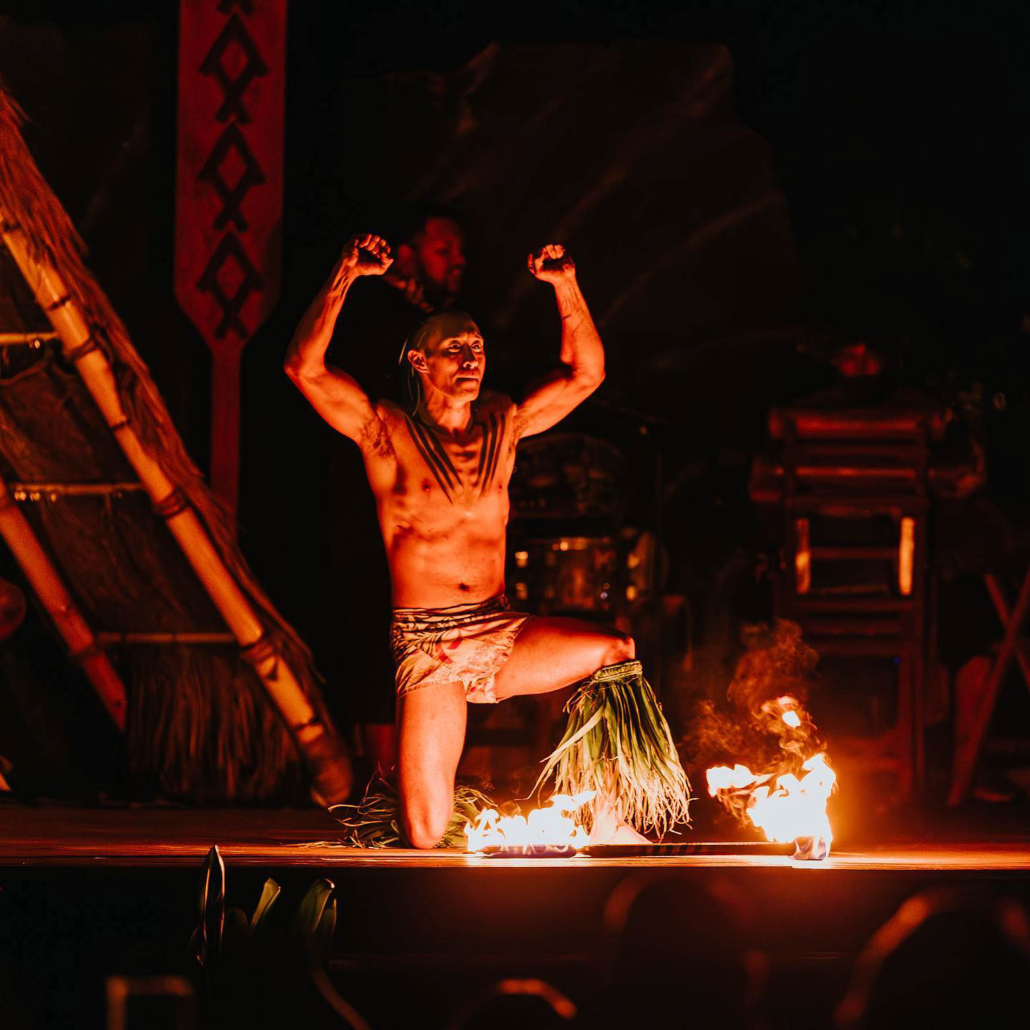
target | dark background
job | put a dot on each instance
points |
(891, 138)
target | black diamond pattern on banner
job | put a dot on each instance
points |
(233, 88)
(231, 194)
(230, 249)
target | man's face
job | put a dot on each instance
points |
(440, 249)
(452, 357)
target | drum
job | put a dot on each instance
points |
(568, 575)
(564, 476)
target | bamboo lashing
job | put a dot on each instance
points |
(46, 581)
(70, 324)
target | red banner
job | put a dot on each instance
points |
(229, 190)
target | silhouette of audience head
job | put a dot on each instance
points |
(515, 1004)
(674, 955)
(946, 956)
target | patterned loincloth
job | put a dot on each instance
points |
(465, 643)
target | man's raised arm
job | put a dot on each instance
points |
(334, 394)
(582, 356)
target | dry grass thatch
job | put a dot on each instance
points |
(204, 689)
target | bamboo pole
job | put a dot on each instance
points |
(26, 339)
(69, 322)
(36, 491)
(107, 637)
(46, 581)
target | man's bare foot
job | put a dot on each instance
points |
(609, 829)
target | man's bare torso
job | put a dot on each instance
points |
(440, 477)
(442, 502)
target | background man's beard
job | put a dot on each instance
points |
(440, 295)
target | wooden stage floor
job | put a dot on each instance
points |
(166, 837)
(87, 892)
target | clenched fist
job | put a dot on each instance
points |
(365, 254)
(551, 264)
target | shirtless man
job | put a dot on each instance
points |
(440, 478)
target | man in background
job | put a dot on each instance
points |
(425, 277)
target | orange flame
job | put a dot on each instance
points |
(785, 807)
(554, 824)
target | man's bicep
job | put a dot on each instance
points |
(548, 402)
(339, 399)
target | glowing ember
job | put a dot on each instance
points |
(793, 809)
(554, 825)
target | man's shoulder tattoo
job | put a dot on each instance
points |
(375, 437)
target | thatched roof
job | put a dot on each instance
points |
(199, 716)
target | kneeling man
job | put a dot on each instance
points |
(440, 473)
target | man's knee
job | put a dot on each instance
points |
(425, 825)
(620, 648)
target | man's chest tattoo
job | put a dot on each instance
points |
(439, 461)
(489, 455)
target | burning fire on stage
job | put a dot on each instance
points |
(788, 807)
(785, 806)
(552, 826)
